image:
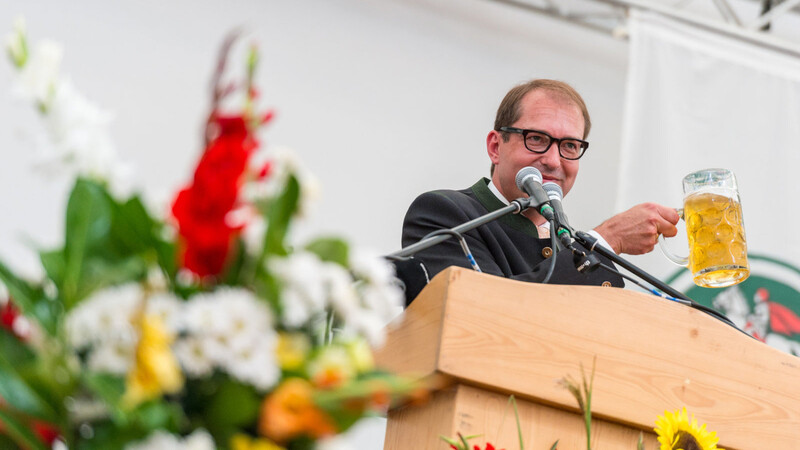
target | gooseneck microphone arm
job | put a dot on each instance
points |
(517, 206)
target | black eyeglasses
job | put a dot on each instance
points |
(539, 142)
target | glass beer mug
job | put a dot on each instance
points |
(713, 215)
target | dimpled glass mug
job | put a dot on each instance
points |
(715, 228)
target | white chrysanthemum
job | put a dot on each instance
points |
(341, 290)
(366, 323)
(168, 308)
(371, 267)
(114, 356)
(233, 330)
(305, 290)
(194, 357)
(158, 440)
(256, 364)
(199, 440)
(203, 315)
(104, 316)
(385, 300)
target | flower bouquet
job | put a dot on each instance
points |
(202, 326)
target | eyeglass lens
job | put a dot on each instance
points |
(539, 142)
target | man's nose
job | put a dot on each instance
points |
(551, 157)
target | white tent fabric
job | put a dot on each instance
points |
(698, 98)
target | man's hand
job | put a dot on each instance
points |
(636, 230)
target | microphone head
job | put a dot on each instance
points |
(553, 191)
(527, 172)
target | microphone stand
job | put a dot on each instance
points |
(516, 206)
(589, 241)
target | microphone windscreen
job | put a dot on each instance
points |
(553, 191)
(526, 172)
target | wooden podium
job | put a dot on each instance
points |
(486, 337)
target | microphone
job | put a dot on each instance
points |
(555, 194)
(563, 230)
(529, 181)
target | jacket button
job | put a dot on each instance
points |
(606, 284)
(547, 252)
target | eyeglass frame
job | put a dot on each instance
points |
(524, 133)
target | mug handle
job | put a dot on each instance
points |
(679, 260)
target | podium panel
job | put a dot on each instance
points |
(489, 337)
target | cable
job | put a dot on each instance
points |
(463, 243)
(691, 303)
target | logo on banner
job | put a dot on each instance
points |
(766, 305)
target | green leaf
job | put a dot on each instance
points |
(131, 225)
(16, 352)
(555, 445)
(31, 300)
(233, 273)
(19, 394)
(99, 273)
(513, 401)
(234, 404)
(110, 389)
(331, 249)
(25, 296)
(7, 443)
(158, 414)
(88, 223)
(53, 264)
(452, 442)
(278, 216)
(21, 434)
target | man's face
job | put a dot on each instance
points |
(541, 111)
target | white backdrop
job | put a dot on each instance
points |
(381, 99)
(698, 99)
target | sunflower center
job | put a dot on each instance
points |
(686, 441)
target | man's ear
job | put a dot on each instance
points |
(493, 146)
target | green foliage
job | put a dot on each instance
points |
(278, 215)
(108, 388)
(583, 395)
(331, 249)
(31, 300)
(88, 222)
(20, 433)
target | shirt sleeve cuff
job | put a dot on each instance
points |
(601, 241)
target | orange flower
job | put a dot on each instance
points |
(289, 412)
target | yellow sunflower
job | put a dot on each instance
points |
(676, 431)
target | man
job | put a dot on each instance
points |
(543, 124)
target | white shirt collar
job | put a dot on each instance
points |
(497, 193)
(503, 199)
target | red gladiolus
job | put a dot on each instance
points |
(201, 208)
(8, 314)
(47, 433)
